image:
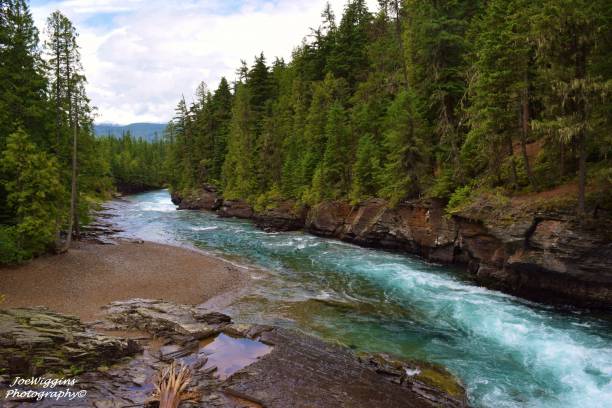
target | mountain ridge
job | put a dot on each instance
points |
(143, 130)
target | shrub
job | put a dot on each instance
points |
(10, 251)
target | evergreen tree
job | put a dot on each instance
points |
(366, 170)
(221, 110)
(501, 89)
(33, 190)
(69, 98)
(332, 177)
(23, 85)
(569, 34)
(239, 168)
(406, 168)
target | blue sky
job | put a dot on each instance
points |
(139, 56)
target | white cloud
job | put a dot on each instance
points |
(139, 56)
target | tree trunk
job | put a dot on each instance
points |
(524, 134)
(582, 173)
(58, 123)
(514, 175)
(582, 137)
(561, 160)
(398, 32)
(75, 179)
(73, 187)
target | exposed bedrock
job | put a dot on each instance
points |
(547, 256)
(205, 198)
(294, 370)
(551, 257)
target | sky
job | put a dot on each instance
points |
(140, 56)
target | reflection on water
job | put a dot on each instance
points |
(230, 354)
(507, 351)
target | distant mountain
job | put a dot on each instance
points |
(148, 131)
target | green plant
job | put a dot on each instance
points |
(10, 251)
(459, 198)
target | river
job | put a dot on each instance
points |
(508, 352)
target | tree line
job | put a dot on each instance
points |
(52, 168)
(419, 99)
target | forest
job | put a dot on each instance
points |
(418, 99)
(52, 168)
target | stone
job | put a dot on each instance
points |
(556, 258)
(283, 216)
(235, 209)
(36, 337)
(204, 198)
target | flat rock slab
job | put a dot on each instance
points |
(303, 371)
(34, 341)
(296, 370)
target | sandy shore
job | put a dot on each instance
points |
(89, 276)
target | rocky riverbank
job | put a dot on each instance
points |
(525, 249)
(232, 365)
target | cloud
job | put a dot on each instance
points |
(139, 56)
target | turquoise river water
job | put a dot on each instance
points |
(508, 352)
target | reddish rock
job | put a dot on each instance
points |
(236, 209)
(551, 258)
(285, 216)
(328, 218)
(205, 198)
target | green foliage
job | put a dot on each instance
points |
(10, 251)
(52, 168)
(419, 99)
(459, 198)
(407, 152)
(366, 170)
(33, 189)
(133, 164)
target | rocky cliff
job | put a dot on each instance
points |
(543, 255)
(539, 254)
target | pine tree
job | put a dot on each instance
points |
(69, 98)
(221, 112)
(568, 34)
(23, 85)
(500, 91)
(348, 57)
(33, 191)
(406, 167)
(332, 177)
(366, 170)
(239, 168)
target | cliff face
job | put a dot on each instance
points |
(548, 257)
(545, 256)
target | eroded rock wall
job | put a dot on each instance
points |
(548, 257)
(544, 256)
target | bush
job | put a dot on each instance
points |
(10, 251)
(459, 198)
